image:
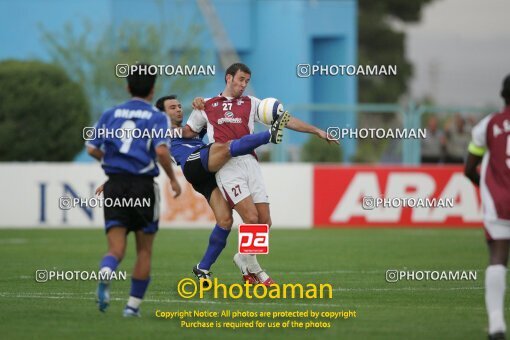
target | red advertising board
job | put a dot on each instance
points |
(434, 196)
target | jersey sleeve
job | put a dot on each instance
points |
(255, 106)
(162, 125)
(94, 137)
(197, 121)
(478, 143)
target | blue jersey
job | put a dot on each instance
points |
(181, 148)
(128, 134)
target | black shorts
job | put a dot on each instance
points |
(202, 180)
(135, 203)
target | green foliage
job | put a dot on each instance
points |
(42, 112)
(380, 44)
(373, 150)
(370, 150)
(317, 150)
(92, 62)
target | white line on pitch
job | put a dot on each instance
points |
(226, 301)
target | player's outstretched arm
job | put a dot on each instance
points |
(164, 159)
(300, 126)
(470, 168)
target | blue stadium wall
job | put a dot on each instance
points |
(271, 36)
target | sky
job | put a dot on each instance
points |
(461, 52)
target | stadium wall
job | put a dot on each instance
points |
(301, 196)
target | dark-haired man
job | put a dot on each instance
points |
(490, 146)
(200, 162)
(131, 165)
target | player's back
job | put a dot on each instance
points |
(496, 162)
(130, 133)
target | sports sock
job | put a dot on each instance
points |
(217, 242)
(248, 143)
(138, 288)
(495, 284)
(240, 263)
(253, 267)
(252, 264)
(108, 264)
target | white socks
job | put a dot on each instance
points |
(247, 263)
(495, 284)
(252, 264)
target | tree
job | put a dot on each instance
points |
(42, 112)
(380, 44)
(318, 151)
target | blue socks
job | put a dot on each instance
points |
(248, 143)
(217, 242)
(138, 287)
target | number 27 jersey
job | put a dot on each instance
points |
(226, 118)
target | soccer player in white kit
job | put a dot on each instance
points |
(490, 146)
(228, 116)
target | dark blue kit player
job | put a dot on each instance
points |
(129, 141)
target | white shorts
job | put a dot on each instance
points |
(241, 177)
(496, 227)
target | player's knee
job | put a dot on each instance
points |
(225, 151)
(144, 254)
(265, 220)
(251, 218)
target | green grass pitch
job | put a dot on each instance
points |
(354, 261)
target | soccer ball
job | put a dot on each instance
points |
(269, 110)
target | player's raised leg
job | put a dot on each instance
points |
(220, 153)
(495, 284)
(218, 237)
(141, 273)
(116, 237)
